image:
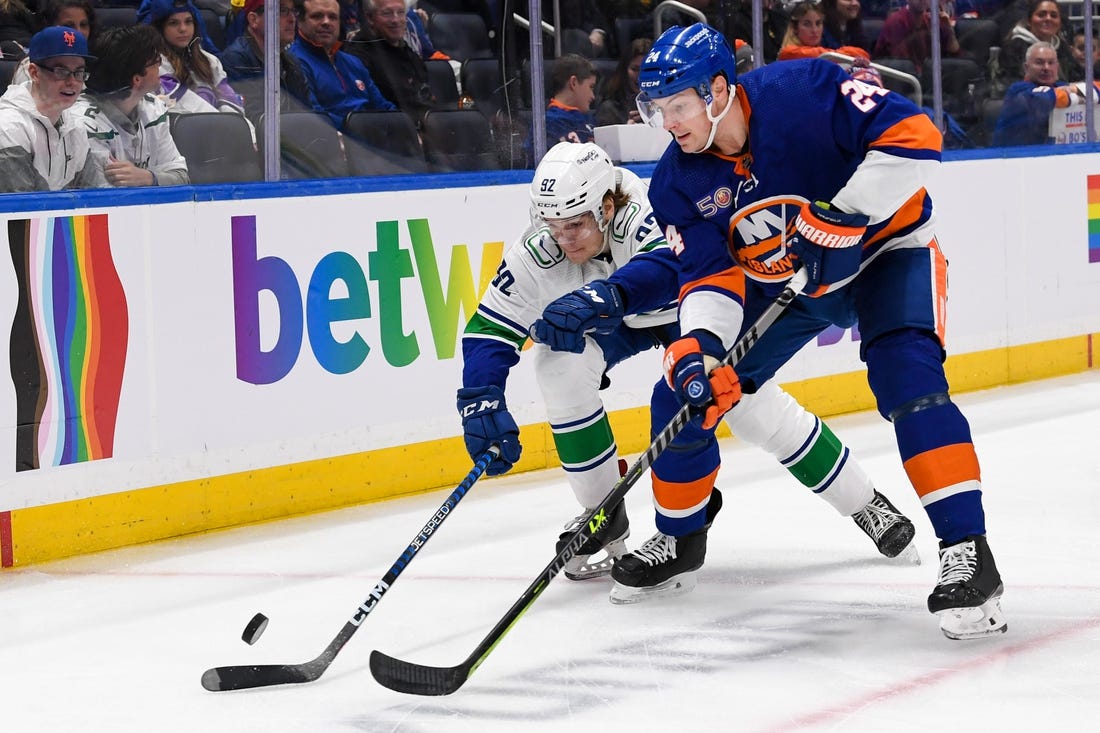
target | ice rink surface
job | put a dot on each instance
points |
(796, 624)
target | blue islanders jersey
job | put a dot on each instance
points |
(814, 133)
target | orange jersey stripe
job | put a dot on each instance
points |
(731, 280)
(909, 214)
(944, 466)
(673, 496)
(917, 132)
(939, 290)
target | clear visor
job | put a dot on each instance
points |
(574, 229)
(668, 111)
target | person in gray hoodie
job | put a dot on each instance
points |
(43, 144)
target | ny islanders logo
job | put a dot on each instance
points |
(758, 237)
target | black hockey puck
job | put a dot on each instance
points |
(255, 629)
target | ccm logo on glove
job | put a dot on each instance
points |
(475, 407)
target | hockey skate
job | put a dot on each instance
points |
(610, 540)
(664, 566)
(967, 593)
(891, 531)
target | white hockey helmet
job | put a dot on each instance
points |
(572, 179)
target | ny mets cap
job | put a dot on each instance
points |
(58, 41)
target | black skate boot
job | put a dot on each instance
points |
(891, 531)
(967, 593)
(609, 538)
(664, 566)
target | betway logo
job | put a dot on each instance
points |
(311, 311)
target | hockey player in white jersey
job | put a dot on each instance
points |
(592, 282)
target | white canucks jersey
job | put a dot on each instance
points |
(534, 272)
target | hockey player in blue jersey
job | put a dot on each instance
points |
(797, 165)
(593, 282)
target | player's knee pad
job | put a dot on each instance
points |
(771, 419)
(905, 372)
(570, 383)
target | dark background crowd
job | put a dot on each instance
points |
(384, 87)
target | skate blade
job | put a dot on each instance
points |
(960, 624)
(675, 586)
(585, 568)
(909, 555)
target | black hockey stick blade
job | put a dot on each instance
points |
(240, 677)
(420, 679)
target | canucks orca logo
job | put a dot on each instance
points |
(758, 240)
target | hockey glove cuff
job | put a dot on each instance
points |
(827, 243)
(596, 307)
(694, 375)
(486, 420)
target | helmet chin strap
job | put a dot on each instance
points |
(715, 120)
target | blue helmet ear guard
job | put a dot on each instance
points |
(686, 58)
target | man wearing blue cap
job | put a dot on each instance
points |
(43, 145)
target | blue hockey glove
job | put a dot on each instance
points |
(598, 307)
(686, 370)
(486, 420)
(827, 243)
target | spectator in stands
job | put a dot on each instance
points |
(396, 68)
(339, 81)
(804, 37)
(43, 144)
(127, 125)
(1077, 71)
(775, 23)
(1025, 116)
(17, 25)
(243, 61)
(621, 88)
(568, 114)
(906, 34)
(416, 35)
(75, 14)
(844, 24)
(191, 76)
(1043, 22)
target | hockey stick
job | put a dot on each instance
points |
(265, 675)
(419, 679)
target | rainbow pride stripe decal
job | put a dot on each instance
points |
(1094, 218)
(68, 340)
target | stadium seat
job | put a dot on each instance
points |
(605, 69)
(311, 147)
(114, 18)
(7, 70)
(215, 27)
(218, 147)
(483, 80)
(976, 36)
(872, 27)
(509, 134)
(441, 79)
(458, 140)
(382, 143)
(963, 87)
(460, 35)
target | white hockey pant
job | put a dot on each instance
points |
(570, 385)
(803, 444)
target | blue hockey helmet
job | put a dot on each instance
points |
(686, 58)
